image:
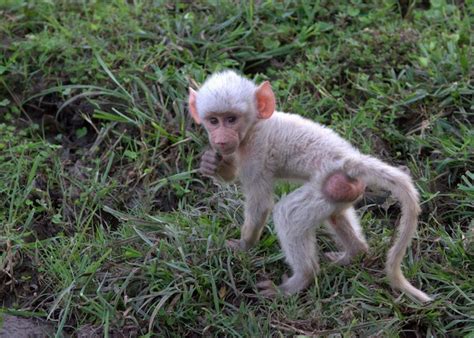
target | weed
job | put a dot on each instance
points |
(106, 226)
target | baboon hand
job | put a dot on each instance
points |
(209, 162)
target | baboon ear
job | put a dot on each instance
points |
(192, 105)
(265, 100)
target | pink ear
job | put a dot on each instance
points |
(265, 100)
(192, 105)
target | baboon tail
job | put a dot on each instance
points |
(377, 173)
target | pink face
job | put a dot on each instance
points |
(224, 131)
(227, 129)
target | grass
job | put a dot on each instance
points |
(107, 226)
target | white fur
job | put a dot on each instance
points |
(288, 146)
(223, 92)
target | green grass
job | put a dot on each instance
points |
(105, 222)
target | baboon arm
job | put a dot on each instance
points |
(227, 169)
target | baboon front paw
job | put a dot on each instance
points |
(235, 244)
(267, 288)
(339, 258)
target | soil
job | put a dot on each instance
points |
(14, 326)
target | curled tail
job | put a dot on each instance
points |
(377, 173)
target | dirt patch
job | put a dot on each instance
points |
(14, 326)
(61, 127)
(91, 331)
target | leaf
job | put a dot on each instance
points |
(222, 292)
(353, 11)
(132, 253)
(81, 132)
(423, 61)
(270, 42)
(324, 26)
(420, 94)
(130, 154)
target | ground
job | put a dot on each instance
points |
(108, 228)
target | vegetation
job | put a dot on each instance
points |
(107, 226)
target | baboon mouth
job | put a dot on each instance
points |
(225, 151)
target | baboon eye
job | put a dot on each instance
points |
(232, 119)
(213, 120)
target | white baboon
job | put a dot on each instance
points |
(253, 142)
